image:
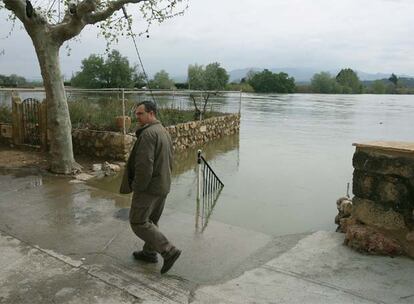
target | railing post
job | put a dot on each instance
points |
(198, 188)
(123, 111)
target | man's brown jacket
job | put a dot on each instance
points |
(150, 163)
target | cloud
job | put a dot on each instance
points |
(373, 36)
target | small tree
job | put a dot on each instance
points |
(49, 31)
(216, 77)
(12, 81)
(268, 82)
(138, 78)
(212, 78)
(200, 113)
(117, 72)
(114, 72)
(323, 83)
(195, 77)
(91, 74)
(349, 81)
(394, 79)
(162, 80)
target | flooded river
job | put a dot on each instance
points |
(292, 158)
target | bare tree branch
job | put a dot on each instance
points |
(18, 7)
(113, 6)
(25, 12)
(86, 12)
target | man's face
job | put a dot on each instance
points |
(142, 116)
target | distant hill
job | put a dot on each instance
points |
(304, 75)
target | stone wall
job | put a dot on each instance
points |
(113, 145)
(196, 133)
(383, 185)
(110, 145)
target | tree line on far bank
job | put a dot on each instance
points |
(115, 71)
(16, 81)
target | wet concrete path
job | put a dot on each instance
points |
(82, 222)
(51, 229)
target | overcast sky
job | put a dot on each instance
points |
(369, 35)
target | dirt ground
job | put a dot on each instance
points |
(14, 158)
(18, 158)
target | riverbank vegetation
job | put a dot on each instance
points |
(16, 81)
(100, 114)
(115, 71)
(5, 114)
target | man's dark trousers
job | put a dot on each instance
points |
(146, 210)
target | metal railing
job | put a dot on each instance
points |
(209, 187)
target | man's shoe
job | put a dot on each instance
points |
(141, 256)
(170, 259)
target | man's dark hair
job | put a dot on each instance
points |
(149, 106)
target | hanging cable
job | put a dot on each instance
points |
(139, 57)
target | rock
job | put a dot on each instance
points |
(340, 200)
(65, 292)
(96, 167)
(83, 177)
(365, 239)
(346, 208)
(114, 167)
(372, 214)
(337, 219)
(110, 169)
(76, 181)
(120, 163)
(410, 236)
(344, 205)
(345, 223)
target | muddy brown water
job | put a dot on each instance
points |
(291, 160)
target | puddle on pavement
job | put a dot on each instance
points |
(13, 183)
(122, 214)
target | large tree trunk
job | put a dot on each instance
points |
(58, 119)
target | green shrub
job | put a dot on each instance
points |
(5, 114)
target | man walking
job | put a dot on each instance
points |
(148, 176)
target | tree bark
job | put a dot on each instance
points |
(58, 118)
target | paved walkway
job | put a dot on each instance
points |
(70, 243)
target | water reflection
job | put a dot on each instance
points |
(204, 210)
(186, 160)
